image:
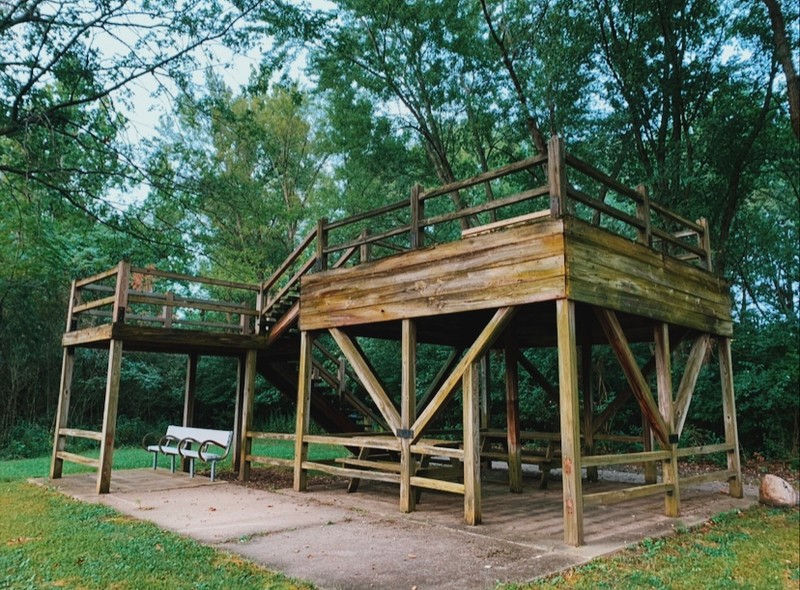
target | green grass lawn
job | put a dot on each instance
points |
(50, 541)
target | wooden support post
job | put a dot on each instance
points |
(729, 416)
(472, 436)
(322, 245)
(303, 410)
(570, 422)
(248, 397)
(408, 413)
(365, 250)
(62, 414)
(109, 417)
(650, 469)
(168, 308)
(512, 420)
(705, 244)
(121, 292)
(237, 415)
(645, 235)
(417, 237)
(188, 398)
(588, 398)
(557, 177)
(669, 469)
(486, 379)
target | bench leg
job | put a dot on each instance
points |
(172, 463)
(155, 460)
(213, 470)
(191, 466)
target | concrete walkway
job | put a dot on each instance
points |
(360, 541)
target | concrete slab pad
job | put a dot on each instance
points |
(360, 541)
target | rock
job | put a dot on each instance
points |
(775, 491)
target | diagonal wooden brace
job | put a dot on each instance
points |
(639, 387)
(367, 378)
(485, 339)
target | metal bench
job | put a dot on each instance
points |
(210, 446)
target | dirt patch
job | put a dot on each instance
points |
(278, 478)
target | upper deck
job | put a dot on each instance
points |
(546, 228)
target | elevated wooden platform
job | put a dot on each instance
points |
(447, 286)
(545, 252)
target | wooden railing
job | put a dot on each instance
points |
(146, 296)
(547, 185)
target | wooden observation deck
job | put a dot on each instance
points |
(546, 252)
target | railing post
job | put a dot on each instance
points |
(417, 214)
(705, 243)
(169, 297)
(322, 245)
(74, 299)
(557, 177)
(645, 235)
(121, 292)
(365, 251)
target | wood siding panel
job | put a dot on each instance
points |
(606, 270)
(517, 266)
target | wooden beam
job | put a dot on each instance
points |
(121, 291)
(188, 397)
(248, 399)
(238, 411)
(485, 339)
(695, 362)
(109, 416)
(303, 410)
(512, 420)
(586, 387)
(538, 377)
(557, 176)
(570, 423)
(472, 464)
(640, 388)
(62, 413)
(408, 409)
(367, 378)
(729, 417)
(669, 470)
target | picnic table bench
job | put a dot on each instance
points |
(210, 446)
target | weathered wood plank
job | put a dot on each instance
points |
(367, 378)
(248, 401)
(78, 433)
(624, 458)
(570, 423)
(472, 445)
(303, 411)
(704, 450)
(408, 407)
(519, 265)
(273, 461)
(110, 416)
(633, 493)
(695, 362)
(438, 484)
(672, 499)
(80, 459)
(729, 417)
(725, 475)
(514, 456)
(62, 413)
(352, 473)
